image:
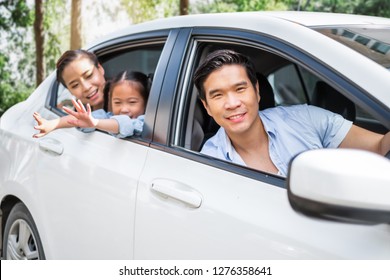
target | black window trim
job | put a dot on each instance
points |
(119, 44)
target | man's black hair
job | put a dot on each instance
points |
(215, 61)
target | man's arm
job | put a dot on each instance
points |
(360, 138)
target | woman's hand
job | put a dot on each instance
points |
(44, 126)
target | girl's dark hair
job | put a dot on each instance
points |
(68, 57)
(215, 61)
(144, 82)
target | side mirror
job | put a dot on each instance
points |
(341, 184)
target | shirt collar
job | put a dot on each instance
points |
(268, 128)
(228, 150)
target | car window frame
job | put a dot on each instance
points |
(264, 42)
(119, 45)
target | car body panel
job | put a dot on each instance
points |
(48, 186)
(237, 219)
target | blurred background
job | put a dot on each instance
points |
(34, 33)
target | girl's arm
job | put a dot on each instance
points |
(109, 125)
(46, 126)
(83, 118)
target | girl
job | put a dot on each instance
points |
(128, 95)
(80, 72)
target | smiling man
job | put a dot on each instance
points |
(267, 140)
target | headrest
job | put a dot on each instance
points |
(328, 98)
(267, 97)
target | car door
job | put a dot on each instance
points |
(81, 187)
(191, 206)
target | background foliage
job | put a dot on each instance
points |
(17, 56)
(15, 19)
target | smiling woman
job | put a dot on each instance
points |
(81, 73)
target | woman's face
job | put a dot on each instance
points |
(85, 81)
(126, 99)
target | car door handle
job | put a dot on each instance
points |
(51, 146)
(176, 190)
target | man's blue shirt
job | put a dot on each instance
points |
(291, 130)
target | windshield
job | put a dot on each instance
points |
(372, 42)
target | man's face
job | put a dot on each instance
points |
(231, 99)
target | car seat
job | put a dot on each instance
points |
(330, 99)
(267, 95)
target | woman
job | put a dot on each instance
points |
(81, 73)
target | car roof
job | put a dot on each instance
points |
(249, 21)
(316, 19)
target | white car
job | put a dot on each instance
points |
(75, 195)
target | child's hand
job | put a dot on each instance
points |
(44, 126)
(83, 117)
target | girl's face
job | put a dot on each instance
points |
(85, 81)
(126, 99)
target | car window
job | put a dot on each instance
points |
(287, 86)
(292, 83)
(370, 42)
(141, 58)
(64, 97)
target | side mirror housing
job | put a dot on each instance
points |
(341, 184)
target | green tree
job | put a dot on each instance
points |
(362, 7)
(57, 32)
(373, 7)
(18, 55)
(184, 7)
(219, 6)
(16, 20)
(39, 42)
(76, 25)
(144, 10)
(333, 6)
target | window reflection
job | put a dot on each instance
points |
(372, 43)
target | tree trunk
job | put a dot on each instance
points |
(39, 42)
(183, 7)
(75, 34)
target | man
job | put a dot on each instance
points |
(267, 140)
